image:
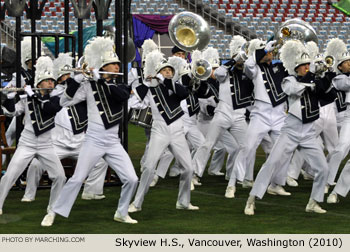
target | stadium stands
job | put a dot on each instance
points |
(259, 16)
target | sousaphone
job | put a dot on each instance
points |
(189, 31)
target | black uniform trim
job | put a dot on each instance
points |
(78, 117)
(27, 76)
(214, 86)
(140, 74)
(310, 100)
(168, 105)
(192, 104)
(72, 87)
(110, 108)
(42, 112)
(273, 75)
(309, 106)
(241, 89)
(340, 101)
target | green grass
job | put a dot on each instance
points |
(274, 214)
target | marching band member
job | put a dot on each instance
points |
(234, 95)
(67, 137)
(26, 79)
(167, 128)
(268, 112)
(40, 109)
(136, 78)
(325, 126)
(304, 92)
(190, 106)
(342, 83)
(104, 98)
(226, 143)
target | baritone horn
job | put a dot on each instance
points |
(201, 69)
(189, 31)
(330, 61)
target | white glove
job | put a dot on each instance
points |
(95, 74)
(241, 57)
(79, 78)
(160, 77)
(312, 67)
(153, 83)
(270, 46)
(11, 95)
(29, 90)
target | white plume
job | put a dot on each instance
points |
(290, 51)
(26, 51)
(43, 69)
(94, 50)
(335, 47)
(210, 53)
(236, 44)
(44, 63)
(62, 60)
(179, 64)
(196, 55)
(147, 47)
(255, 44)
(312, 49)
(151, 62)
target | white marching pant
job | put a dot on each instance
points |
(167, 136)
(343, 184)
(194, 139)
(266, 144)
(218, 157)
(23, 155)
(341, 150)
(99, 143)
(294, 134)
(264, 119)
(10, 135)
(326, 133)
(93, 185)
(143, 158)
(236, 125)
(163, 165)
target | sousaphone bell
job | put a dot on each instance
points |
(189, 31)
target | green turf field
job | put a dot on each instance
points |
(274, 214)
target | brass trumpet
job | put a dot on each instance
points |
(201, 69)
(324, 65)
(85, 71)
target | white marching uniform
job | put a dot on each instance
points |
(342, 83)
(267, 114)
(32, 145)
(10, 133)
(225, 118)
(166, 134)
(225, 144)
(193, 136)
(134, 80)
(100, 142)
(326, 127)
(67, 145)
(294, 134)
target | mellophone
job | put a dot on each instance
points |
(141, 117)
